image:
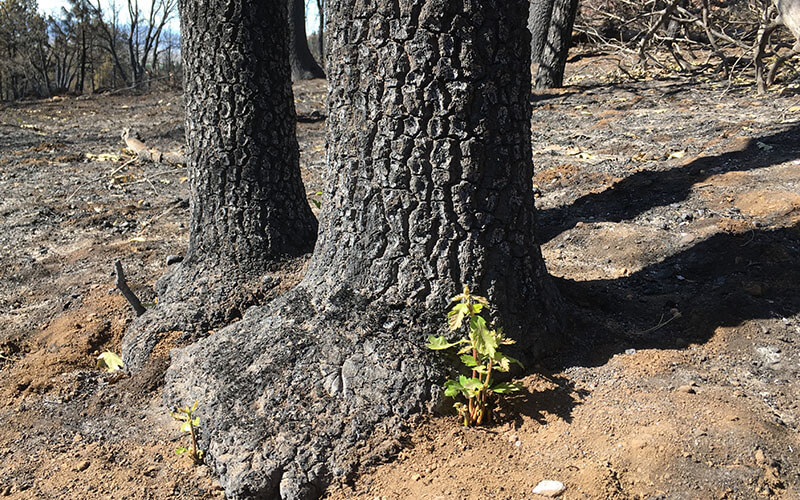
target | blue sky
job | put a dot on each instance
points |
(53, 6)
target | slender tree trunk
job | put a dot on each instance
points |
(321, 29)
(559, 37)
(538, 25)
(304, 66)
(83, 60)
(430, 187)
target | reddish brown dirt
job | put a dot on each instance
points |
(669, 213)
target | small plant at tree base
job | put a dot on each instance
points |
(317, 203)
(109, 362)
(189, 425)
(479, 354)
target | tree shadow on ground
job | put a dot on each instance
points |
(560, 398)
(722, 281)
(644, 190)
(542, 96)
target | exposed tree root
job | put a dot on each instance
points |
(196, 299)
(302, 392)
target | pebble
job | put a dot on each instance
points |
(83, 466)
(549, 488)
(688, 389)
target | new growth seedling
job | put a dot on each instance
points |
(479, 354)
(109, 362)
(190, 424)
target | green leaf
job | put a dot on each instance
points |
(452, 388)
(484, 340)
(506, 387)
(468, 360)
(109, 362)
(180, 450)
(186, 427)
(455, 318)
(471, 386)
(440, 343)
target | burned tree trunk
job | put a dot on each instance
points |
(248, 201)
(430, 187)
(538, 25)
(437, 153)
(248, 204)
(304, 66)
(556, 48)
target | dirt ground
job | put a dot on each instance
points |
(669, 211)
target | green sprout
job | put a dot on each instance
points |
(109, 362)
(190, 424)
(479, 354)
(317, 203)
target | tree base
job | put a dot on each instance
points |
(194, 298)
(299, 393)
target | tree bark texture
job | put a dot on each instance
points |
(248, 203)
(304, 66)
(430, 131)
(539, 24)
(556, 48)
(430, 187)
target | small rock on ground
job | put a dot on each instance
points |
(549, 488)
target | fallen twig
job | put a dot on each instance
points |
(131, 138)
(661, 323)
(131, 297)
(162, 214)
(104, 176)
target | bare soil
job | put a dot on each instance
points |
(669, 211)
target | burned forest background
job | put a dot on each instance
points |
(94, 47)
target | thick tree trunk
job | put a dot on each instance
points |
(538, 25)
(429, 188)
(436, 147)
(559, 37)
(304, 66)
(248, 204)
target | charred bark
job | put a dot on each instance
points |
(539, 24)
(304, 66)
(430, 187)
(556, 48)
(248, 204)
(248, 201)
